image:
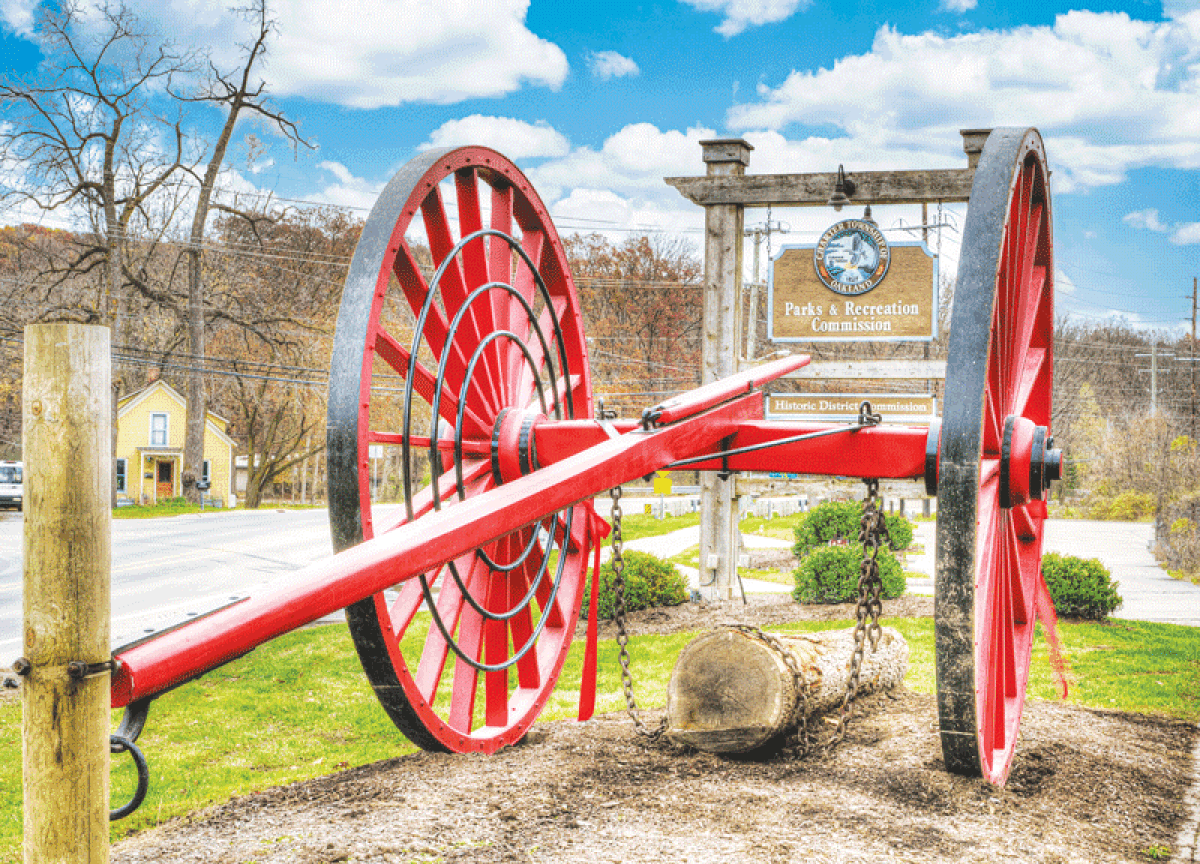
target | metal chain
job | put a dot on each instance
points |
(799, 719)
(872, 534)
(618, 568)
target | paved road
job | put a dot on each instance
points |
(164, 569)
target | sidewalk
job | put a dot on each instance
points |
(1149, 593)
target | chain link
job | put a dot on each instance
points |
(872, 534)
(799, 718)
(618, 568)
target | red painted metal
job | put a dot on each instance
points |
(159, 664)
(694, 401)
(892, 452)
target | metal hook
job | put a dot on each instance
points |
(117, 744)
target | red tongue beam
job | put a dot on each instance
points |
(176, 656)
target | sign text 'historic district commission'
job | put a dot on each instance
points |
(853, 285)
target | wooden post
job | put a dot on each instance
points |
(66, 442)
(724, 226)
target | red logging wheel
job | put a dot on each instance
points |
(459, 329)
(996, 457)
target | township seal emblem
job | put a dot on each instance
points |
(852, 257)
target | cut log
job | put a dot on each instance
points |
(734, 692)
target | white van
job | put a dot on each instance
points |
(12, 485)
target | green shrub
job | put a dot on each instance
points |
(649, 582)
(827, 522)
(900, 532)
(842, 519)
(1080, 587)
(1127, 506)
(829, 574)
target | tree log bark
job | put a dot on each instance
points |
(733, 692)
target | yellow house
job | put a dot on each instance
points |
(151, 427)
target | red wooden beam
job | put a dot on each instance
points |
(160, 663)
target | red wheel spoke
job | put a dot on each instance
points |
(482, 319)
(521, 625)
(556, 615)
(477, 475)
(450, 603)
(1018, 604)
(425, 382)
(466, 676)
(496, 650)
(437, 328)
(500, 254)
(477, 448)
(406, 604)
(470, 220)
(533, 243)
(993, 420)
(500, 265)
(454, 293)
(1035, 370)
(525, 386)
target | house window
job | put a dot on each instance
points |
(158, 430)
(121, 470)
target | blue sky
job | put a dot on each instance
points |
(598, 101)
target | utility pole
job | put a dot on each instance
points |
(758, 232)
(1154, 355)
(752, 318)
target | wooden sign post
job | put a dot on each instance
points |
(67, 450)
(725, 192)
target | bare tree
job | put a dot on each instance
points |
(83, 142)
(278, 282)
(642, 303)
(239, 94)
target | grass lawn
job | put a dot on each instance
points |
(300, 707)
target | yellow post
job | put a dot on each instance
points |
(67, 450)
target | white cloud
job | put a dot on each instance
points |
(959, 6)
(346, 190)
(1186, 234)
(1109, 93)
(619, 187)
(1147, 220)
(610, 64)
(375, 53)
(17, 16)
(514, 138)
(1182, 233)
(742, 14)
(634, 160)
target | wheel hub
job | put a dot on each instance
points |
(1029, 462)
(514, 449)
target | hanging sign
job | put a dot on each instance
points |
(853, 285)
(915, 408)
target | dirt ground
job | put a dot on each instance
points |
(1087, 786)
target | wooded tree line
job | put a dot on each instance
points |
(273, 285)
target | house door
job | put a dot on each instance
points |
(166, 480)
